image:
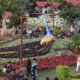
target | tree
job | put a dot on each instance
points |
(14, 21)
(70, 13)
(11, 5)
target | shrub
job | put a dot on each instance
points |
(74, 79)
(63, 72)
(77, 75)
(75, 42)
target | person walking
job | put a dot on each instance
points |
(29, 64)
(23, 71)
(78, 63)
(34, 67)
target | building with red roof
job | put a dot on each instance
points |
(45, 3)
(47, 7)
(55, 4)
(41, 4)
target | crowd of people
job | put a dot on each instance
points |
(59, 31)
(23, 73)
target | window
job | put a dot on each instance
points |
(45, 12)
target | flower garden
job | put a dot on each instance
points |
(48, 60)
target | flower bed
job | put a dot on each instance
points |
(76, 51)
(68, 36)
(29, 49)
(50, 62)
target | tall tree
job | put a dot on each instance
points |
(11, 5)
(70, 13)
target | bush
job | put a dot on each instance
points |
(63, 72)
(74, 79)
(75, 42)
(77, 75)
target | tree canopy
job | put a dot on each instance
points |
(70, 12)
(11, 5)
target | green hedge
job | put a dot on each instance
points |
(77, 75)
(74, 79)
(63, 72)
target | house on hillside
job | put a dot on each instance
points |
(44, 8)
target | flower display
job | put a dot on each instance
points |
(29, 49)
(50, 62)
(60, 43)
(68, 36)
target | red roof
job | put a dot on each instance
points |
(41, 4)
(56, 4)
(74, 2)
(69, 0)
(44, 3)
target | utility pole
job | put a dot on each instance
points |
(21, 10)
(21, 48)
(21, 30)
